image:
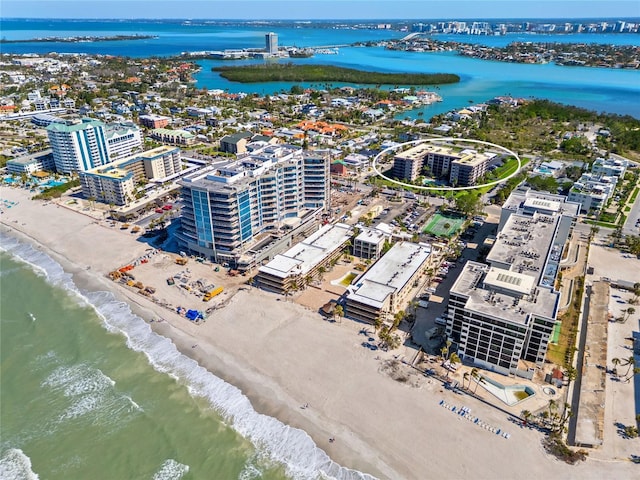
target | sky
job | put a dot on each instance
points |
(319, 9)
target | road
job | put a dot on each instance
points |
(629, 227)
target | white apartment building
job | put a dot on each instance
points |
(502, 315)
(78, 146)
(592, 191)
(302, 263)
(123, 140)
(89, 143)
(384, 288)
(609, 167)
(229, 208)
(116, 182)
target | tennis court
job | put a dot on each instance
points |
(443, 225)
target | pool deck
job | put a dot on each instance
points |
(534, 403)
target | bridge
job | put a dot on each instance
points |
(410, 36)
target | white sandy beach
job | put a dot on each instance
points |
(282, 356)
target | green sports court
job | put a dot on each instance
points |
(443, 225)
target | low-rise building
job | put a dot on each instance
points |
(173, 137)
(302, 263)
(154, 121)
(592, 191)
(609, 167)
(115, 183)
(384, 288)
(369, 243)
(469, 168)
(29, 164)
(408, 165)
(461, 167)
(236, 143)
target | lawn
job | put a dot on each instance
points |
(443, 226)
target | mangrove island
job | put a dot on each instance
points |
(328, 73)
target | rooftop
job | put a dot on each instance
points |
(104, 170)
(175, 133)
(390, 273)
(503, 294)
(371, 235)
(76, 126)
(303, 257)
(524, 244)
(519, 196)
(27, 159)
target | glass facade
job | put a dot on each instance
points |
(202, 214)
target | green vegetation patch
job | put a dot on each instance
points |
(443, 225)
(561, 353)
(327, 73)
(58, 190)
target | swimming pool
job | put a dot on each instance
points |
(509, 394)
(53, 183)
(9, 180)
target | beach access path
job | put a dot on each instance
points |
(284, 356)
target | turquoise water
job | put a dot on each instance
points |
(53, 183)
(88, 391)
(599, 89)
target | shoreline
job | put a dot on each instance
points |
(265, 395)
(282, 356)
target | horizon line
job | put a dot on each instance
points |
(385, 20)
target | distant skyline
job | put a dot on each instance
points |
(320, 9)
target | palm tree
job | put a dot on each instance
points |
(616, 362)
(526, 414)
(571, 374)
(377, 322)
(636, 371)
(479, 380)
(453, 358)
(397, 319)
(466, 378)
(552, 407)
(631, 362)
(629, 311)
(338, 312)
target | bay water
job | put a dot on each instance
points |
(599, 89)
(88, 391)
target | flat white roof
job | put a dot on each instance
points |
(370, 235)
(542, 204)
(390, 273)
(304, 256)
(511, 281)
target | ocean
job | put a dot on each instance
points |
(599, 89)
(89, 391)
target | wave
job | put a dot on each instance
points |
(278, 442)
(90, 392)
(171, 470)
(15, 465)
